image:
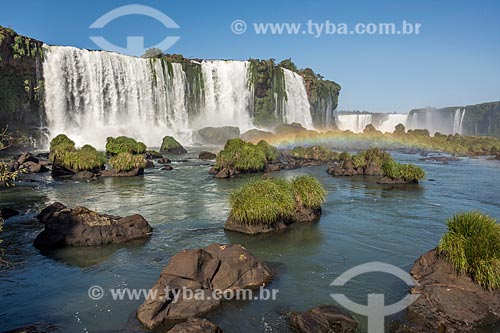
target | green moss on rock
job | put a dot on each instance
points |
(170, 145)
(123, 144)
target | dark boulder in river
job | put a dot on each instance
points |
(196, 325)
(324, 319)
(216, 268)
(206, 155)
(82, 227)
(449, 302)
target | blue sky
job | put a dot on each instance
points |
(455, 60)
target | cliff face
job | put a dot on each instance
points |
(482, 119)
(21, 84)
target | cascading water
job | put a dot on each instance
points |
(392, 120)
(227, 93)
(91, 95)
(353, 122)
(296, 106)
(458, 120)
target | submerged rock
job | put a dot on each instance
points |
(167, 167)
(82, 227)
(215, 268)
(324, 319)
(84, 175)
(114, 173)
(164, 160)
(6, 213)
(216, 135)
(36, 328)
(449, 302)
(196, 325)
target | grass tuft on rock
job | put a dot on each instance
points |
(87, 158)
(125, 162)
(408, 172)
(241, 155)
(472, 245)
(123, 144)
(60, 145)
(308, 191)
(272, 153)
(267, 201)
(262, 201)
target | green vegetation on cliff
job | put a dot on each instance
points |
(123, 144)
(267, 201)
(127, 162)
(472, 245)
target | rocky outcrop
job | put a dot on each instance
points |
(84, 176)
(226, 173)
(206, 155)
(113, 173)
(27, 163)
(196, 325)
(170, 145)
(325, 319)
(82, 227)
(216, 135)
(449, 302)
(21, 86)
(255, 135)
(217, 268)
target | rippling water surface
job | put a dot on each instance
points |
(362, 222)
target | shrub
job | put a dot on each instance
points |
(271, 152)
(263, 201)
(123, 144)
(244, 156)
(308, 191)
(127, 162)
(472, 245)
(7, 177)
(266, 201)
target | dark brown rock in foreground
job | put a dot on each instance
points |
(196, 325)
(324, 319)
(216, 267)
(82, 227)
(449, 302)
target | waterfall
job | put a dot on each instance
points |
(227, 93)
(393, 119)
(458, 119)
(353, 122)
(91, 95)
(296, 106)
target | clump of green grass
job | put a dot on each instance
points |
(472, 245)
(262, 201)
(86, 158)
(267, 201)
(241, 155)
(308, 191)
(319, 153)
(127, 162)
(408, 172)
(272, 153)
(123, 144)
(60, 145)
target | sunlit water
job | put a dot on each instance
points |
(362, 222)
